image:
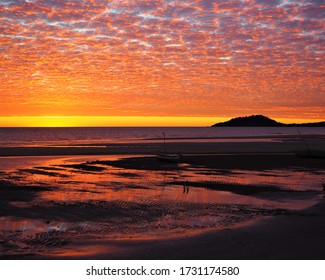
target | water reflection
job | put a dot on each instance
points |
(100, 201)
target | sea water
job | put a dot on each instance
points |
(76, 135)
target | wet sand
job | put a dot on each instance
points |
(297, 237)
(288, 235)
(120, 215)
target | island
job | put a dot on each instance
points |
(262, 121)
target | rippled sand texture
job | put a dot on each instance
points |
(103, 206)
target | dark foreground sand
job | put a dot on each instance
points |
(299, 237)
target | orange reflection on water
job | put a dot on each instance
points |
(82, 250)
(89, 204)
(25, 226)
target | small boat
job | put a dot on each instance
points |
(164, 156)
(309, 153)
(168, 157)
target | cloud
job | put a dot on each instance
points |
(126, 54)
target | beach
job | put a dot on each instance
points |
(296, 237)
(226, 199)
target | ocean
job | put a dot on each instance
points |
(77, 135)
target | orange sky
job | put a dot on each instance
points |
(204, 59)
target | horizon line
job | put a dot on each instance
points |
(127, 121)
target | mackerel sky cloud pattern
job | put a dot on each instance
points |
(162, 57)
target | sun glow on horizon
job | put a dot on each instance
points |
(102, 121)
(121, 121)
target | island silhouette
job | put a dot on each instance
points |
(263, 121)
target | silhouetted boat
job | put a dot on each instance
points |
(168, 157)
(164, 156)
(309, 153)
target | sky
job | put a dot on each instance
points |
(159, 61)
